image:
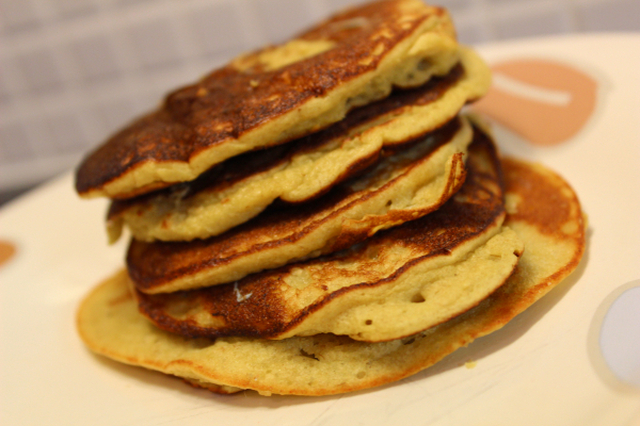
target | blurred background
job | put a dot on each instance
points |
(74, 71)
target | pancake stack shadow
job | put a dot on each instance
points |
(319, 217)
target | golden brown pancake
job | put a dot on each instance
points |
(275, 95)
(403, 186)
(554, 236)
(399, 282)
(241, 187)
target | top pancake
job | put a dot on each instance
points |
(275, 95)
(239, 188)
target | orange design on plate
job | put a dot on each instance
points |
(7, 250)
(543, 101)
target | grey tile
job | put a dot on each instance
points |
(39, 70)
(337, 5)
(94, 58)
(6, 93)
(536, 23)
(154, 43)
(66, 133)
(282, 19)
(18, 15)
(115, 114)
(455, 6)
(14, 143)
(216, 28)
(73, 8)
(501, 3)
(40, 137)
(128, 2)
(472, 33)
(614, 15)
(11, 77)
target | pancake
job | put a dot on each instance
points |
(403, 186)
(394, 284)
(541, 207)
(240, 188)
(275, 95)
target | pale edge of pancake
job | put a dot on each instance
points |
(170, 218)
(433, 42)
(110, 325)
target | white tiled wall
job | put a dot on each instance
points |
(73, 71)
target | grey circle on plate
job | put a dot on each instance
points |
(614, 337)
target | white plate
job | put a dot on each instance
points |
(572, 358)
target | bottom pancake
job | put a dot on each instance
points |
(542, 209)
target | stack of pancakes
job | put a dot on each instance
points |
(319, 217)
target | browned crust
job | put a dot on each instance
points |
(551, 204)
(267, 314)
(228, 103)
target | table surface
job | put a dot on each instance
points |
(573, 358)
